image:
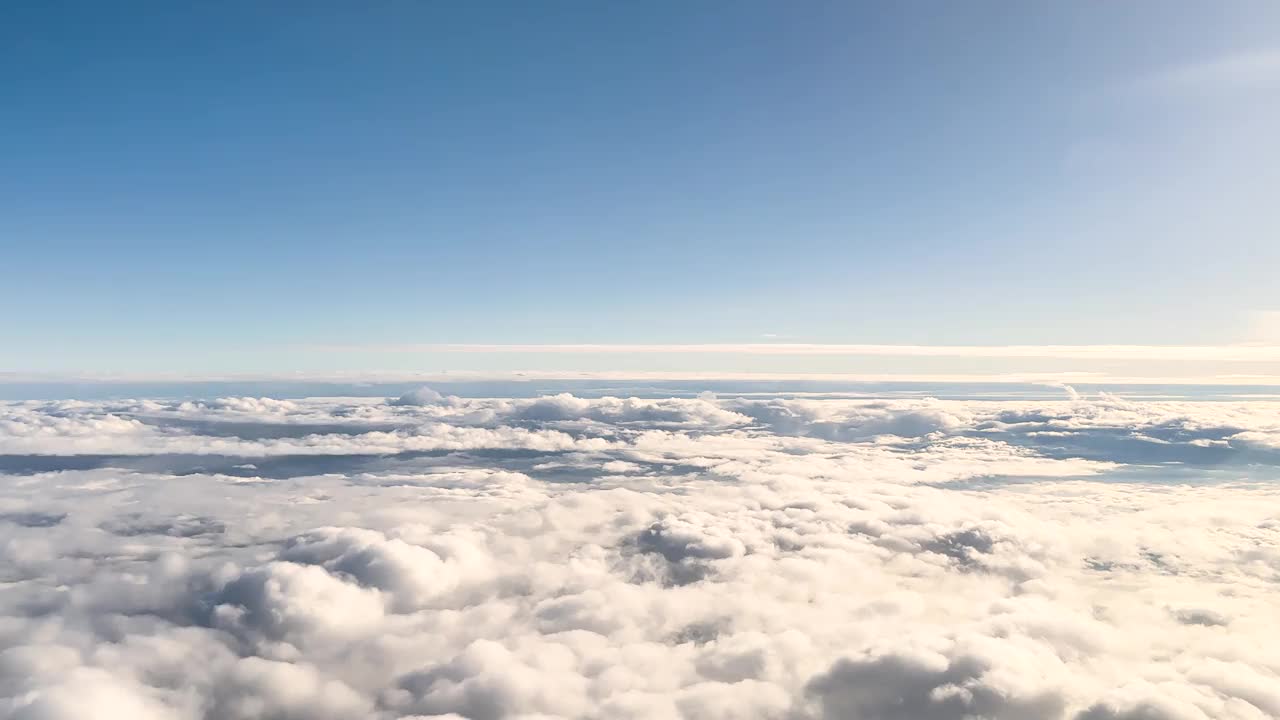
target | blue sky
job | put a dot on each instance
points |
(273, 187)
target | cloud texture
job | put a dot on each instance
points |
(700, 558)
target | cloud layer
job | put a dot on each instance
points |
(1224, 353)
(562, 557)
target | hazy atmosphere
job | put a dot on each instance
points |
(639, 361)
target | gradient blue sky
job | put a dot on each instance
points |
(270, 186)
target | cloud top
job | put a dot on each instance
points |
(703, 558)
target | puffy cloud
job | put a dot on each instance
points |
(411, 575)
(857, 421)
(699, 558)
(924, 684)
(248, 405)
(418, 397)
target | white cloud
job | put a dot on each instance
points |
(702, 558)
(420, 396)
(1220, 353)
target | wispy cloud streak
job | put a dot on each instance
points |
(1219, 353)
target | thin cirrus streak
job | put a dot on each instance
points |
(1246, 69)
(447, 376)
(1219, 353)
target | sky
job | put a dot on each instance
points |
(246, 187)
(703, 360)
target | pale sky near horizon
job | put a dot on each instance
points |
(246, 187)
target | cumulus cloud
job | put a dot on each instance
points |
(419, 396)
(711, 557)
